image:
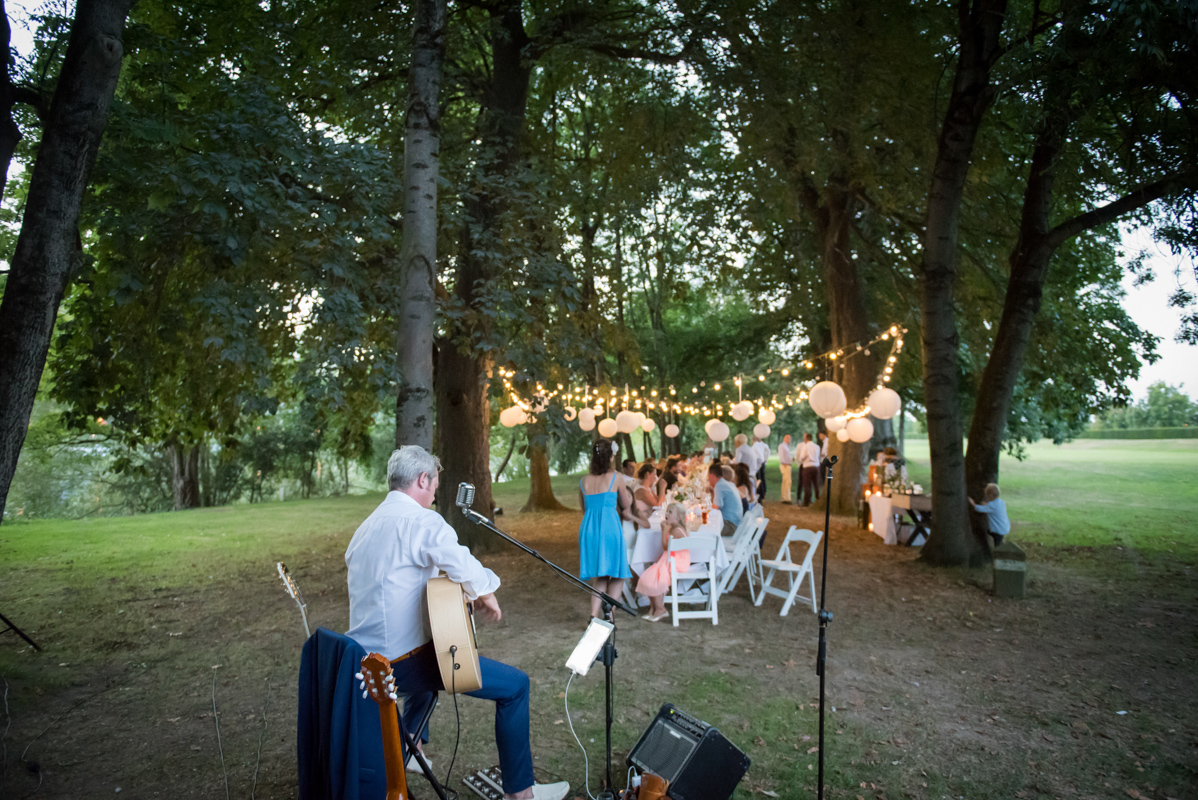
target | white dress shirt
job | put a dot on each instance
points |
(809, 454)
(784, 456)
(390, 558)
(747, 456)
(762, 450)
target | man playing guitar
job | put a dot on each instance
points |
(392, 556)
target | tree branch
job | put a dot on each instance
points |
(1110, 212)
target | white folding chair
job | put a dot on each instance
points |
(746, 521)
(702, 587)
(745, 558)
(795, 572)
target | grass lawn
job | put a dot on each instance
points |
(148, 623)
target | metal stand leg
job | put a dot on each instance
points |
(12, 627)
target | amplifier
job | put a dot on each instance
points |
(694, 757)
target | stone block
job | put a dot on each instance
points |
(1010, 571)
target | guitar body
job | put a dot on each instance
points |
(451, 621)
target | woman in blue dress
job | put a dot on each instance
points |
(603, 559)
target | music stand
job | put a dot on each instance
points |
(607, 655)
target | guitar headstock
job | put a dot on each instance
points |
(288, 581)
(377, 682)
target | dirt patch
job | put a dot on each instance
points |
(939, 689)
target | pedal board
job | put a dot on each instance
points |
(486, 783)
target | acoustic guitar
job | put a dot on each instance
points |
(451, 621)
(379, 684)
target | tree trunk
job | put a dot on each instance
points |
(465, 414)
(848, 323)
(464, 433)
(952, 542)
(47, 250)
(185, 484)
(540, 490)
(511, 448)
(418, 255)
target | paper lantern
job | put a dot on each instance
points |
(640, 419)
(742, 411)
(608, 428)
(511, 417)
(842, 435)
(719, 431)
(827, 399)
(587, 415)
(860, 430)
(835, 424)
(598, 411)
(707, 425)
(672, 430)
(767, 416)
(626, 421)
(884, 403)
(648, 425)
(586, 423)
(761, 430)
(571, 413)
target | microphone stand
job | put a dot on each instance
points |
(825, 617)
(607, 655)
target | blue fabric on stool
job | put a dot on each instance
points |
(340, 741)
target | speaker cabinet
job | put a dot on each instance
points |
(694, 757)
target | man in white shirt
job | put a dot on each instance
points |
(823, 446)
(390, 558)
(745, 454)
(809, 460)
(785, 460)
(762, 451)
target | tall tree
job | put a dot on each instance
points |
(980, 26)
(418, 256)
(47, 251)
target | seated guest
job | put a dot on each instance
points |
(745, 485)
(724, 497)
(390, 558)
(649, 494)
(655, 580)
(671, 476)
(628, 470)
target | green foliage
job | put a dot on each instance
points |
(1164, 406)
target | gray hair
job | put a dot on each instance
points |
(407, 464)
(740, 439)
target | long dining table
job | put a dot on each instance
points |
(646, 548)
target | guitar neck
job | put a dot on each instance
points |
(397, 779)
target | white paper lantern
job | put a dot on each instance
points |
(608, 428)
(767, 416)
(827, 399)
(884, 403)
(835, 424)
(571, 413)
(860, 430)
(648, 425)
(586, 423)
(626, 421)
(742, 411)
(707, 425)
(719, 431)
(511, 417)
(761, 430)
(640, 419)
(672, 430)
(598, 410)
(587, 415)
(842, 435)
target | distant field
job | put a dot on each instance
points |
(1097, 492)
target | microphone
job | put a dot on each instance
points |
(465, 496)
(829, 461)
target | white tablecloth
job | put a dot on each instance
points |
(882, 516)
(647, 548)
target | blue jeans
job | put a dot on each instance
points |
(419, 679)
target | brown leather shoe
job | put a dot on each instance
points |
(653, 787)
